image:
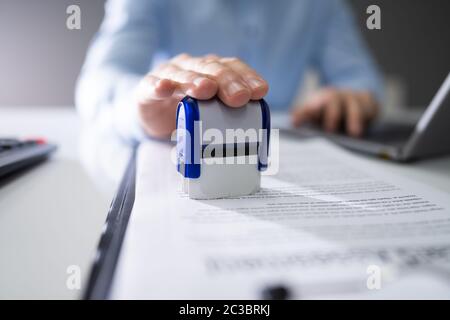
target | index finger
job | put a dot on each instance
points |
(233, 90)
(258, 85)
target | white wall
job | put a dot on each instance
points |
(39, 57)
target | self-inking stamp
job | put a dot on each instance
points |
(221, 150)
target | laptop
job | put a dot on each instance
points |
(430, 136)
(18, 154)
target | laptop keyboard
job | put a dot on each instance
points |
(389, 133)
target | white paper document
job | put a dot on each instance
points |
(329, 224)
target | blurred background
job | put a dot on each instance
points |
(40, 58)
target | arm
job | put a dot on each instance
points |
(353, 85)
(343, 59)
(116, 81)
(119, 56)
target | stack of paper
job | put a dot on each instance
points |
(327, 225)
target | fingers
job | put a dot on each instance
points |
(231, 77)
(332, 114)
(195, 84)
(330, 108)
(313, 110)
(153, 88)
(369, 104)
(354, 116)
(158, 93)
(256, 83)
(310, 112)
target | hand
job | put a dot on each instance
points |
(159, 92)
(333, 107)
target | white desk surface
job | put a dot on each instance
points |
(52, 216)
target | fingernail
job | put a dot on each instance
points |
(255, 83)
(234, 87)
(198, 81)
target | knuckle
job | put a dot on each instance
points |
(226, 74)
(163, 68)
(230, 60)
(211, 57)
(212, 66)
(188, 75)
(148, 79)
(330, 93)
(159, 68)
(170, 68)
(203, 61)
(181, 57)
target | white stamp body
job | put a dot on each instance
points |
(221, 151)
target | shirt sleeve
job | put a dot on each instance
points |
(342, 58)
(120, 54)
